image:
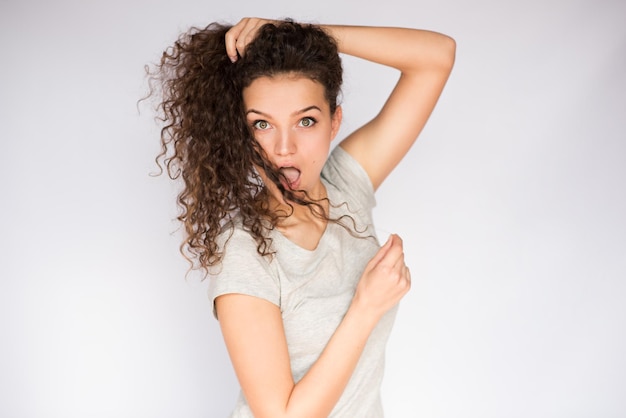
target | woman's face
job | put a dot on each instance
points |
(291, 120)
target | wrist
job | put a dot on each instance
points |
(362, 313)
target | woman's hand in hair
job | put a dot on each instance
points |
(241, 34)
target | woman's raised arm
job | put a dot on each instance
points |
(425, 60)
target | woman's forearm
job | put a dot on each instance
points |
(402, 48)
(316, 394)
(385, 281)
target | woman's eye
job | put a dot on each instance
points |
(261, 124)
(307, 122)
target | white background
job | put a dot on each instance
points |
(512, 205)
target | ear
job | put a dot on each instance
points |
(336, 122)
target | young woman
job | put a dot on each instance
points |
(304, 294)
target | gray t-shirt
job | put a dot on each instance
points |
(314, 289)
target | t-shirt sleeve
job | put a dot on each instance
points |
(347, 175)
(243, 271)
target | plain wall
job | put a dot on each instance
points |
(512, 206)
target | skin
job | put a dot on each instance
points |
(252, 327)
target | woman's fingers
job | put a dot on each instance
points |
(394, 259)
(231, 39)
(386, 279)
(390, 258)
(240, 35)
(394, 254)
(382, 252)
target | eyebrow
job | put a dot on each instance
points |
(298, 112)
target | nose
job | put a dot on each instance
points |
(285, 143)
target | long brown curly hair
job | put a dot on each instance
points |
(205, 138)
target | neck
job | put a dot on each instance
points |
(292, 213)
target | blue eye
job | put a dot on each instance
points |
(261, 124)
(307, 122)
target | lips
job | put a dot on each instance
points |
(292, 176)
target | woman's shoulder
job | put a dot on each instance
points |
(242, 269)
(239, 249)
(343, 172)
(234, 234)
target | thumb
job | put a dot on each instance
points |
(382, 252)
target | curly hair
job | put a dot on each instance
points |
(206, 140)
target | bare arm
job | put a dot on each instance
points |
(425, 60)
(255, 339)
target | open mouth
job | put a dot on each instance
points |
(291, 175)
